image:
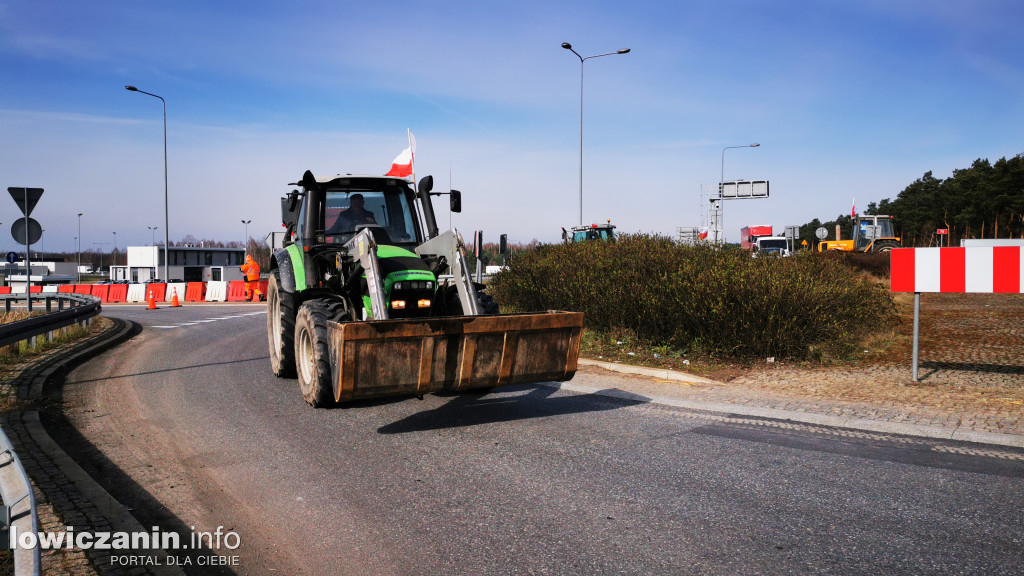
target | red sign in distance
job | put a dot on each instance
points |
(942, 231)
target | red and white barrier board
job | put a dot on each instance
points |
(998, 269)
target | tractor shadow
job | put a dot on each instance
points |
(508, 404)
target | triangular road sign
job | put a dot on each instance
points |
(26, 198)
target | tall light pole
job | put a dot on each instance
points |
(716, 203)
(245, 243)
(152, 234)
(166, 218)
(722, 178)
(78, 240)
(568, 47)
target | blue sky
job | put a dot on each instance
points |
(847, 99)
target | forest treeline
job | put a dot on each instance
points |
(985, 200)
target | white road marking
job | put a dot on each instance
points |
(197, 322)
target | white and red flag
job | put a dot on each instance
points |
(853, 211)
(402, 165)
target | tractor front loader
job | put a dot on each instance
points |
(367, 300)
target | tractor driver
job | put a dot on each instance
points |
(352, 216)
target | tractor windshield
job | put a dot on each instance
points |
(354, 207)
(592, 233)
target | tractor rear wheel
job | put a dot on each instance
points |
(884, 246)
(280, 327)
(313, 353)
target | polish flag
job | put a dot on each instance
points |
(402, 165)
(853, 211)
(703, 233)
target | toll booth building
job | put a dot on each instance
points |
(185, 264)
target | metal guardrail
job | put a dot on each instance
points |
(15, 487)
(71, 309)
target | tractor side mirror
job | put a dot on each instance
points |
(455, 201)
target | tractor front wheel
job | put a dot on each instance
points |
(313, 353)
(280, 328)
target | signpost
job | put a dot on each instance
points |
(26, 230)
(943, 232)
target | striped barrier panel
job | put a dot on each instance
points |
(50, 289)
(5, 289)
(83, 288)
(136, 293)
(66, 288)
(194, 292)
(176, 287)
(216, 291)
(987, 270)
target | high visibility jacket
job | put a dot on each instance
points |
(251, 270)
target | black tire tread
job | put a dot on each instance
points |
(313, 317)
(282, 360)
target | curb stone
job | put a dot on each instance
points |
(854, 423)
(75, 497)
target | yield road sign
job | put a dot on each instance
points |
(26, 198)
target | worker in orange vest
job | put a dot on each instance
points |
(251, 272)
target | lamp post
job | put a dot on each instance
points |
(245, 243)
(568, 47)
(78, 241)
(152, 234)
(722, 178)
(716, 203)
(166, 218)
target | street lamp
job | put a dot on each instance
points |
(716, 206)
(152, 234)
(166, 218)
(722, 178)
(245, 243)
(568, 47)
(78, 241)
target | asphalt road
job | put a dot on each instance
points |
(186, 424)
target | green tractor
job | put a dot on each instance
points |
(367, 299)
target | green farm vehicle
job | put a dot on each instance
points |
(368, 300)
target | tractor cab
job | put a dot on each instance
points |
(870, 228)
(604, 232)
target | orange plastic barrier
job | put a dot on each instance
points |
(236, 291)
(158, 290)
(195, 292)
(37, 289)
(5, 289)
(263, 286)
(117, 293)
(66, 288)
(83, 288)
(101, 291)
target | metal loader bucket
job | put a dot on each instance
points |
(407, 357)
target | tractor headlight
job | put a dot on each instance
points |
(423, 303)
(398, 304)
